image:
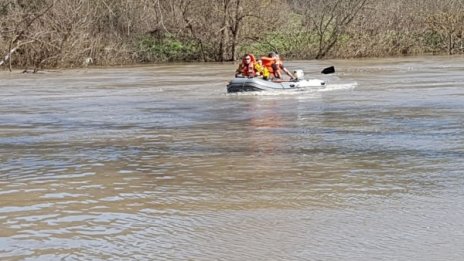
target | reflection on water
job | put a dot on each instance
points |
(158, 162)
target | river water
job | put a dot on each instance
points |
(159, 163)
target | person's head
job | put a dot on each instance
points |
(272, 54)
(247, 58)
(260, 62)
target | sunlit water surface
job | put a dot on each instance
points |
(159, 163)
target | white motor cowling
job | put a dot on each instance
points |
(299, 74)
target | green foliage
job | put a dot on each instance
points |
(433, 41)
(168, 48)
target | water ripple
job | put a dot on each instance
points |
(155, 163)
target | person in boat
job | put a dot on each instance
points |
(275, 66)
(247, 67)
(261, 70)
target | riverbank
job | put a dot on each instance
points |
(291, 64)
(69, 34)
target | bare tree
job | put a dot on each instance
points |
(446, 19)
(65, 33)
(22, 28)
(330, 19)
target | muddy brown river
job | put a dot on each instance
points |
(159, 163)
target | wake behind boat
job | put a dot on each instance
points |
(243, 84)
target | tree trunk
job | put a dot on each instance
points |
(235, 31)
(224, 33)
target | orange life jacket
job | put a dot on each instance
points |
(268, 62)
(249, 69)
(273, 65)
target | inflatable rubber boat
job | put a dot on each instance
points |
(243, 84)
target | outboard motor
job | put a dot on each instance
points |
(299, 74)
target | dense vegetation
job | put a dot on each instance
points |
(63, 33)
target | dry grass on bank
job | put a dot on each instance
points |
(74, 33)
